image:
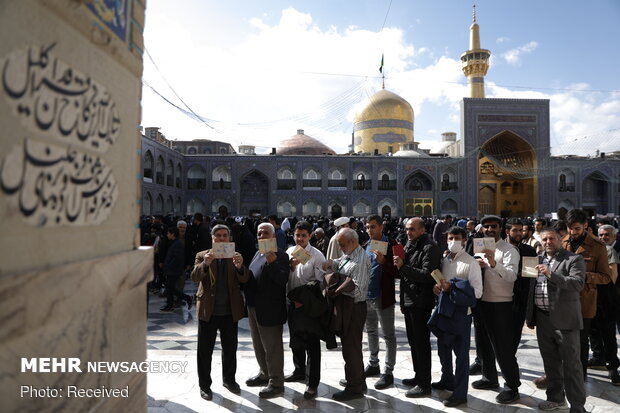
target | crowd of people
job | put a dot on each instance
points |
(337, 278)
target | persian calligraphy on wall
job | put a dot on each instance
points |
(49, 96)
(53, 185)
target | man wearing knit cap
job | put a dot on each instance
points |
(494, 331)
(333, 250)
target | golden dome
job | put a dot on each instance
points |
(385, 105)
(385, 121)
(302, 144)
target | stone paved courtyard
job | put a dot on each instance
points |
(173, 336)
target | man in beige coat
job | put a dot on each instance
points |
(220, 306)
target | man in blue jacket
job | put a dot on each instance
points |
(452, 326)
(174, 265)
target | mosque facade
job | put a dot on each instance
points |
(501, 165)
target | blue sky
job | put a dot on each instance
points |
(257, 71)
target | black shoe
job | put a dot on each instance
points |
(206, 394)
(408, 382)
(614, 377)
(189, 302)
(441, 386)
(484, 384)
(475, 369)
(371, 371)
(346, 394)
(385, 381)
(450, 402)
(596, 364)
(295, 376)
(310, 392)
(418, 391)
(167, 309)
(271, 391)
(256, 381)
(232, 387)
(343, 383)
(508, 396)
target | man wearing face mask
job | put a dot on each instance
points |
(457, 263)
(514, 235)
(494, 331)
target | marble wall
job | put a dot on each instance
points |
(72, 275)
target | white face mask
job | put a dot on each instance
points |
(455, 246)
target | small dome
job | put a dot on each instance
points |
(302, 144)
(411, 150)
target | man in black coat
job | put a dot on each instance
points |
(417, 300)
(174, 264)
(265, 295)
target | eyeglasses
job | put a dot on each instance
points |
(490, 226)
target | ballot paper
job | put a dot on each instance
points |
(529, 267)
(437, 276)
(301, 254)
(267, 245)
(223, 249)
(486, 243)
(380, 246)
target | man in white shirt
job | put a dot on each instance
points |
(309, 343)
(457, 263)
(494, 332)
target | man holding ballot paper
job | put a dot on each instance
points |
(554, 309)
(220, 306)
(306, 265)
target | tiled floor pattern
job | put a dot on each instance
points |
(172, 337)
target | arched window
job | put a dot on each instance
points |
(418, 181)
(448, 180)
(169, 205)
(311, 207)
(159, 205)
(337, 179)
(362, 180)
(361, 208)
(387, 180)
(159, 171)
(221, 178)
(312, 179)
(286, 179)
(566, 181)
(147, 171)
(147, 204)
(178, 177)
(196, 177)
(192, 150)
(170, 174)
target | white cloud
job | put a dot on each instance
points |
(502, 40)
(513, 56)
(287, 75)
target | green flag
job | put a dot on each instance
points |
(381, 67)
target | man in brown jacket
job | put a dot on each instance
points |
(220, 306)
(594, 254)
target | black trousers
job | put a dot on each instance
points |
(519, 307)
(603, 340)
(585, 345)
(494, 338)
(172, 291)
(459, 379)
(310, 345)
(419, 338)
(207, 333)
(352, 349)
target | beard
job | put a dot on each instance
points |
(514, 240)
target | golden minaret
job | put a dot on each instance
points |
(475, 62)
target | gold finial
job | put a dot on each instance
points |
(474, 13)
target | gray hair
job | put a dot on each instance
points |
(181, 222)
(320, 230)
(608, 227)
(219, 227)
(270, 228)
(348, 234)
